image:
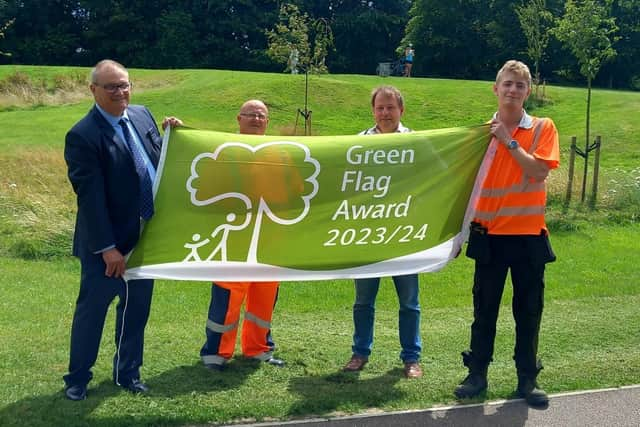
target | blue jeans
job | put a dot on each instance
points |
(408, 316)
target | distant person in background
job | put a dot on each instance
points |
(227, 298)
(293, 61)
(409, 53)
(112, 155)
(388, 107)
(509, 233)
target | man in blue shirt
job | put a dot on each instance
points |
(388, 107)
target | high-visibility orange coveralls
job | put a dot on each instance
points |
(273, 179)
(224, 317)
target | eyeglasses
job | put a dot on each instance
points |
(113, 88)
(257, 116)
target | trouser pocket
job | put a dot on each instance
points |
(540, 249)
(478, 247)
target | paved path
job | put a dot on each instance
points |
(616, 407)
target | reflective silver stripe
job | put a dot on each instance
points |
(264, 356)
(524, 186)
(258, 321)
(510, 211)
(213, 359)
(217, 327)
(527, 187)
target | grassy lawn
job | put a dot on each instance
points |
(590, 336)
(589, 339)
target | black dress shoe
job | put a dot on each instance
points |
(275, 362)
(76, 392)
(135, 386)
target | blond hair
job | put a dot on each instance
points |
(518, 68)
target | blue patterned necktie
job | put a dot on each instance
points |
(146, 189)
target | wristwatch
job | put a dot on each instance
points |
(513, 144)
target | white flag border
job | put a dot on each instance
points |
(427, 261)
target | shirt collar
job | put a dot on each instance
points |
(400, 129)
(113, 120)
(526, 121)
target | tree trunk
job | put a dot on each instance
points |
(596, 171)
(586, 147)
(572, 160)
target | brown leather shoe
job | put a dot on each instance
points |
(355, 364)
(412, 370)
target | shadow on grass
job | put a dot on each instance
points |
(199, 379)
(344, 391)
(48, 410)
(55, 410)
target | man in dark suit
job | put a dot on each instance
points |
(112, 155)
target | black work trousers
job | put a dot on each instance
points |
(523, 256)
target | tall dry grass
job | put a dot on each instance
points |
(21, 90)
(37, 204)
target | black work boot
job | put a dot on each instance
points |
(476, 382)
(528, 389)
(473, 385)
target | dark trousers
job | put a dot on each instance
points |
(519, 254)
(96, 294)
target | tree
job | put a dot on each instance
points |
(624, 69)
(2, 30)
(290, 37)
(463, 38)
(588, 29)
(372, 26)
(44, 31)
(174, 47)
(297, 35)
(322, 43)
(7, 23)
(231, 33)
(535, 21)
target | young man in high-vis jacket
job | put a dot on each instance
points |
(509, 233)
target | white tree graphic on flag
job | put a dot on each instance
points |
(276, 179)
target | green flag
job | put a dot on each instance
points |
(244, 207)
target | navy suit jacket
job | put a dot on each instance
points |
(103, 175)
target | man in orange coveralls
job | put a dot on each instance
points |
(227, 297)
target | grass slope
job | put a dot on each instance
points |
(36, 202)
(339, 104)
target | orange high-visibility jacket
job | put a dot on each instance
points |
(511, 202)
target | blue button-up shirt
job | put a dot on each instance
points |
(113, 121)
